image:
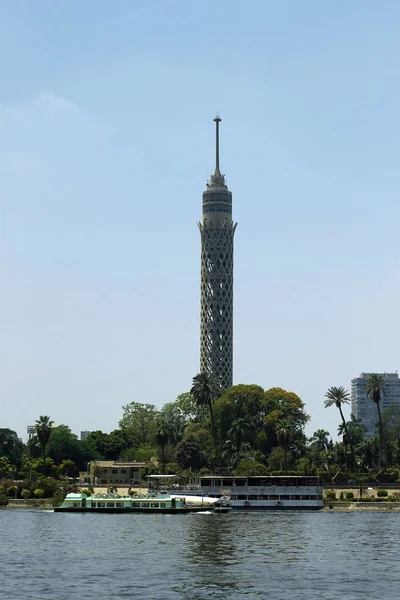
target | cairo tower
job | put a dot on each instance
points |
(217, 231)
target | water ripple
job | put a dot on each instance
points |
(279, 556)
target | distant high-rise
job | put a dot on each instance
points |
(217, 231)
(84, 435)
(363, 408)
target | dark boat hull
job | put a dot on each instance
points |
(169, 511)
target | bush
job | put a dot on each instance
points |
(349, 496)
(11, 490)
(382, 493)
(86, 491)
(48, 485)
(341, 497)
(395, 497)
(25, 494)
(330, 495)
(39, 493)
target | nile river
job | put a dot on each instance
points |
(276, 556)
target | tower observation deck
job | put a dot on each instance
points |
(217, 231)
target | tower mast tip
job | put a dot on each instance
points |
(217, 121)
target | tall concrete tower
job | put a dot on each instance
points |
(217, 231)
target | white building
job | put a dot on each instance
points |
(84, 435)
(364, 408)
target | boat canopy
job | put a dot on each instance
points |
(73, 496)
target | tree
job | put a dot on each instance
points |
(43, 427)
(6, 468)
(11, 446)
(189, 455)
(285, 432)
(249, 468)
(375, 388)
(109, 446)
(320, 439)
(342, 430)
(64, 445)
(391, 424)
(235, 448)
(140, 420)
(281, 406)
(339, 396)
(162, 437)
(205, 391)
(180, 413)
(356, 429)
(67, 467)
(239, 402)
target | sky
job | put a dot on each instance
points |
(106, 145)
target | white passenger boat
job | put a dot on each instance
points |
(265, 492)
(151, 503)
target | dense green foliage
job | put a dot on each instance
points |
(244, 430)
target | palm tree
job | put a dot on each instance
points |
(205, 390)
(231, 456)
(338, 396)
(163, 434)
(236, 447)
(342, 430)
(357, 430)
(320, 439)
(238, 432)
(375, 388)
(43, 427)
(285, 433)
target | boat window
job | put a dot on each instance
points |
(155, 505)
(101, 504)
(206, 482)
(241, 482)
(144, 504)
(273, 497)
(295, 497)
(242, 497)
(227, 482)
(76, 504)
(119, 505)
(285, 497)
(110, 504)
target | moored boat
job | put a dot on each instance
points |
(266, 492)
(111, 503)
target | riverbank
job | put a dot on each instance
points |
(362, 506)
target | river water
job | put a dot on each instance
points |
(276, 556)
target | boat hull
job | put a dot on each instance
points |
(275, 508)
(169, 511)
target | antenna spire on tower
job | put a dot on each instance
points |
(217, 121)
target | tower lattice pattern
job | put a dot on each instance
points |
(216, 332)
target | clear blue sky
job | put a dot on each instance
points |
(106, 144)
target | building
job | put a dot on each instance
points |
(84, 435)
(217, 231)
(112, 473)
(364, 409)
(31, 431)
